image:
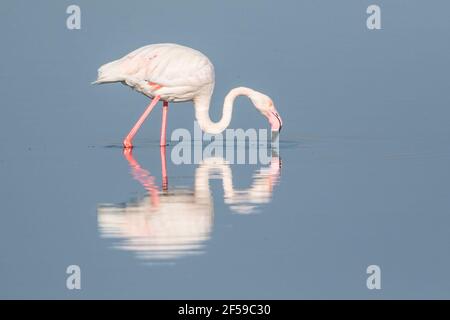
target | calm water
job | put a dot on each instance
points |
(309, 229)
(361, 176)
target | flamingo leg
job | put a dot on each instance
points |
(128, 142)
(164, 124)
(165, 182)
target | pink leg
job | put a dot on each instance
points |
(165, 181)
(128, 142)
(164, 124)
(163, 146)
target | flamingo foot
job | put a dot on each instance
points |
(127, 152)
(127, 144)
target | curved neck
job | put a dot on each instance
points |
(202, 110)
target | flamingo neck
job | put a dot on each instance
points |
(202, 105)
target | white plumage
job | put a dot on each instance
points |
(181, 72)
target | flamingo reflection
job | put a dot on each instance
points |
(174, 222)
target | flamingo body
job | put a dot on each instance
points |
(175, 73)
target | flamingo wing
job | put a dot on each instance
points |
(167, 66)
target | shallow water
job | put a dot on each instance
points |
(363, 178)
(310, 229)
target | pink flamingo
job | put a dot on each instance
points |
(175, 73)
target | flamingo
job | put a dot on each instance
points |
(176, 73)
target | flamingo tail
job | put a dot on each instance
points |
(110, 72)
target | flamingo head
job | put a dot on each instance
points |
(265, 105)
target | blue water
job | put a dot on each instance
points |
(364, 177)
